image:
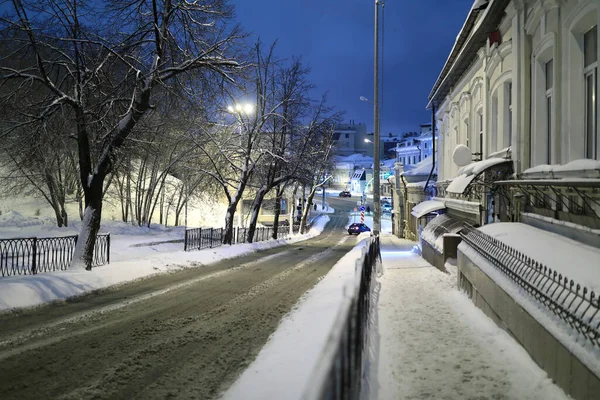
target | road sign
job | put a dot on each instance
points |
(362, 208)
(358, 203)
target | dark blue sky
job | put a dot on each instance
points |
(335, 38)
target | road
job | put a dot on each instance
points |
(187, 334)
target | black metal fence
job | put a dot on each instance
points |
(29, 256)
(571, 302)
(339, 374)
(205, 238)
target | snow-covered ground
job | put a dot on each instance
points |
(129, 259)
(431, 342)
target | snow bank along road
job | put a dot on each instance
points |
(186, 335)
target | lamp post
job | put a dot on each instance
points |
(376, 141)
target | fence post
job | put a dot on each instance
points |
(185, 239)
(108, 248)
(211, 237)
(33, 262)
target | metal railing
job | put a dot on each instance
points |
(205, 238)
(340, 370)
(567, 299)
(29, 256)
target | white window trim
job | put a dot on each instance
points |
(591, 70)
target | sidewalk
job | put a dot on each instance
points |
(430, 342)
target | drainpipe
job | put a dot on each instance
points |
(433, 145)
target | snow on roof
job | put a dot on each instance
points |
(469, 172)
(573, 259)
(426, 207)
(423, 167)
(389, 163)
(460, 183)
(576, 165)
(480, 166)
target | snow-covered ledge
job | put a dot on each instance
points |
(470, 207)
(575, 169)
(577, 232)
(504, 153)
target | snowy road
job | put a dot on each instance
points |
(432, 343)
(185, 335)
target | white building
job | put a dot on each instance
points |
(350, 139)
(519, 88)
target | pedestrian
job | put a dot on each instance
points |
(368, 210)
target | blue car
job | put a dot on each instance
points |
(358, 228)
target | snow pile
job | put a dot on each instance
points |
(568, 257)
(423, 167)
(283, 368)
(14, 219)
(589, 168)
(32, 290)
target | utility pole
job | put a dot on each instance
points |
(376, 139)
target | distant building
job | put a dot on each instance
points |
(350, 139)
(346, 167)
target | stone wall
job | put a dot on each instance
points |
(566, 370)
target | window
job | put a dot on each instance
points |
(347, 135)
(549, 70)
(480, 140)
(425, 145)
(590, 76)
(510, 113)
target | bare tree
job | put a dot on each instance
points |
(102, 61)
(237, 149)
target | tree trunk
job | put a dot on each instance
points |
(279, 196)
(84, 250)
(306, 211)
(258, 199)
(228, 234)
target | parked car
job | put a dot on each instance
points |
(386, 207)
(345, 193)
(357, 228)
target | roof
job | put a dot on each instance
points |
(472, 36)
(469, 172)
(354, 158)
(426, 207)
(423, 167)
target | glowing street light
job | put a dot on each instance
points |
(241, 108)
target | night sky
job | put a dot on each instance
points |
(335, 38)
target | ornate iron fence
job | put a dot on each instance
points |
(29, 256)
(567, 299)
(340, 370)
(204, 238)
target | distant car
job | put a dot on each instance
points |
(345, 193)
(357, 228)
(386, 207)
(386, 199)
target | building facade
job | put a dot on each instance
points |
(519, 90)
(350, 139)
